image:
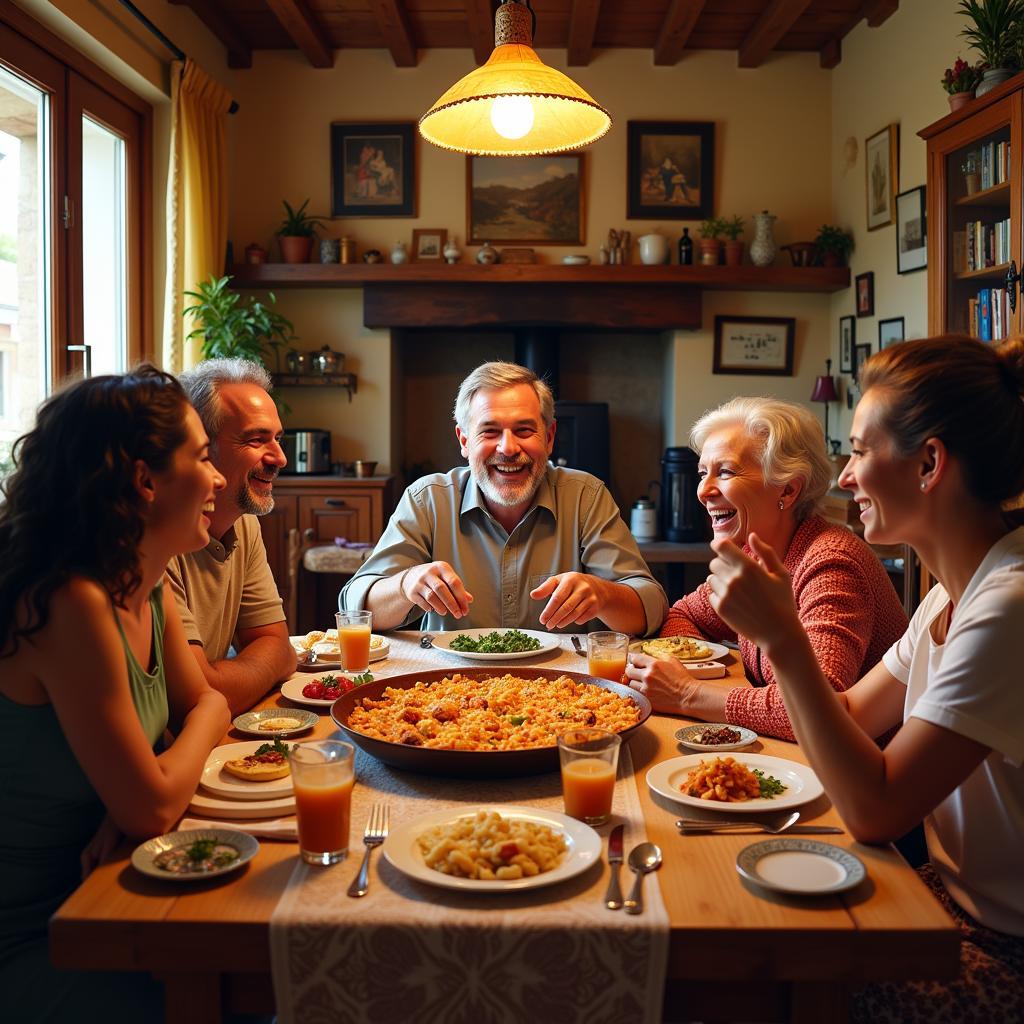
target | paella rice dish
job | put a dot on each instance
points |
(496, 713)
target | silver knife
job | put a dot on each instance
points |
(613, 897)
(793, 830)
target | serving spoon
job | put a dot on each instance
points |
(642, 859)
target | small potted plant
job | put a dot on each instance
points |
(732, 228)
(959, 82)
(833, 245)
(710, 245)
(996, 35)
(296, 233)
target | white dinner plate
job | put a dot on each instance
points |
(802, 785)
(221, 783)
(144, 856)
(584, 848)
(717, 650)
(688, 737)
(218, 807)
(548, 642)
(327, 654)
(292, 689)
(801, 866)
(251, 722)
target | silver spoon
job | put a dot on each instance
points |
(642, 859)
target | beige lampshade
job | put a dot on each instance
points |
(564, 115)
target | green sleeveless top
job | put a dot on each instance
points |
(49, 808)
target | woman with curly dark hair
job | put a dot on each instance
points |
(114, 480)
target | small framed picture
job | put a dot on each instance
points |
(911, 231)
(881, 169)
(373, 170)
(865, 293)
(847, 339)
(860, 357)
(889, 332)
(754, 344)
(428, 244)
(670, 170)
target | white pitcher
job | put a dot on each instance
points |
(653, 248)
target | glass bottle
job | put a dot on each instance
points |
(685, 249)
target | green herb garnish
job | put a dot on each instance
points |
(366, 677)
(517, 719)
(201, 849)
(276, 747)
(512, 641)
(770, 786)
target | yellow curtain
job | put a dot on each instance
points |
(197, 210)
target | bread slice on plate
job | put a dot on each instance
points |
(258, 767)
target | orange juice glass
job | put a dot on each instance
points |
(354, 640)
(589, 759)
(606, 654)
(322, 776)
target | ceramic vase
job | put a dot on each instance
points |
(991, 78)
(451, 251)
(399, 254)
(653, 248)
(763, 249)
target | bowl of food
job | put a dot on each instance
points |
(478, 722)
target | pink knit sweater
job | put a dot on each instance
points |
(846, 603)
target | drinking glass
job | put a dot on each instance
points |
(354, 640)
(322, 776)
(606, 654)
(589, 759)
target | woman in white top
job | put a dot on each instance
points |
(937, 456)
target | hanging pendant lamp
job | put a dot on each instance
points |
(515, 105)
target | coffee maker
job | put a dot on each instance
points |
(683, 517)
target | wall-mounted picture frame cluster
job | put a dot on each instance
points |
(670, 170)
(754, 344)
(911, 231)
(881, 173)
(373, 169)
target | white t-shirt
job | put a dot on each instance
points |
(972, 684)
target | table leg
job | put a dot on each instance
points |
(192, 998)
(819, 1002)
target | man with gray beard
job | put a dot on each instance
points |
(226, 593)
(510, 540)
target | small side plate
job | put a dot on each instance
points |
(144, 856)
(253, 722)
(803, 867)
(688, 737)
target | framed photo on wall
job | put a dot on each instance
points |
(373, 170)
(525, 199)
(670, 170)
(860, 356)
(754, 344)
(881, 170)
(911, 231)
(428, 244)
(890, 331)
(847, 339)
(865, 293)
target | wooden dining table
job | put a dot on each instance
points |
(737, 951)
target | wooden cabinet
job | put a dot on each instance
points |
(320, 508)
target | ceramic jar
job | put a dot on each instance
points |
(399, 254)
(451, 251)
(763, 249)
(487, 253)
(653, 248)
(255, 254)
(326, 361)
(330, 250)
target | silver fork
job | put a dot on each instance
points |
(771, 825)
(375, 834)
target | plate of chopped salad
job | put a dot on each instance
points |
(782, 783)
(496, 644)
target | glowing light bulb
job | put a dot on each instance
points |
(512, 116)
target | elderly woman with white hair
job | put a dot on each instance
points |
(763, 470)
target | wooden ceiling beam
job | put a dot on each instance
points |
(831, 53)
(481, 28)
(210, 14)
(305, 30)
(582, 26)
(675, 30)
(393, 23)
(878, 11)
(775, 21)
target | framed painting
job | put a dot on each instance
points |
(881, 170)
(670, 170)
(533, 200)
(865, 293)
(860, 357)
(373, 170)
(847, 339)
(754, 344)
(911, 231)
(428, 245)
(890, 331)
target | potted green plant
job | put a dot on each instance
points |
(833, 245)
(296, 233)
(959, 81)
(732, 228)
(996, 35)
(230, 326)
(710, 245)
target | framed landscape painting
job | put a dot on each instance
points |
(533, 200)
(670, 170)
(881, 169)
(890, 331)
(373, 170)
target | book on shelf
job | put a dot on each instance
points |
(985, 314)
(972, 317)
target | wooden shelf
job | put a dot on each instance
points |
(998, 271)
(317, 380)
(997, 195)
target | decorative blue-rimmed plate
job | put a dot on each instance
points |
(149, 856)
(690, 736)
(802, 867)
(271, 722)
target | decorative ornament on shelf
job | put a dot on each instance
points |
(451, 251)
(959, 81)
(763, 249)
(732, 228)
(515, 105)
(653, 248)
(710, 245)
(399, 254)
(487, 253)
(996, 35)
